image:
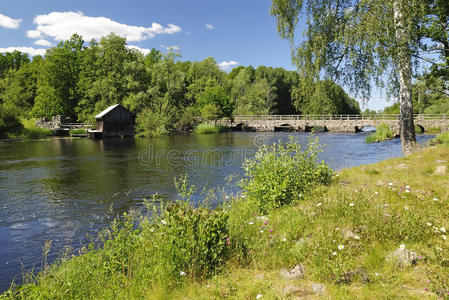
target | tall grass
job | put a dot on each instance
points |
(208, 129)
(441, 139)
(382, 133)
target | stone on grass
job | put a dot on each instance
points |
(440, 170)
(318, 288)
(403, 257)
(348, 277)
(402, 166)
(297, 272)
(290, 290)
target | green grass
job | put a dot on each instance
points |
(77, 131)
(208, 129)
(442, 139)
(382, 133)
(30, 131)
(370, 210)
(433, 130)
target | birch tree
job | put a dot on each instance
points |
(358, 43)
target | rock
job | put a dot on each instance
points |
(403, 257)
(440, 170)
(348, 277)
(440, 161)
(297, 272)
(290, 289)
(260, 276)
(318, 288)
(401, 166)
(350, 235)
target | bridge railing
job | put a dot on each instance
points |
(386, 117)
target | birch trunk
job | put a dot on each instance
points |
(404, 65)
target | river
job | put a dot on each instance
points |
(63, 189)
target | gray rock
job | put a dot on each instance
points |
(318, 288)
(402, 166)
(290, 289)
(348, 277)
(403, 257)
(350, 235)
(297, 272)
(440, 161)
(440, 170)
(260, 276)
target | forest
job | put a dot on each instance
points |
(167, 95)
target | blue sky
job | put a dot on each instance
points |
(234, 32)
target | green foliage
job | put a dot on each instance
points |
(382, 133)
(9, 122)
(282, 172)
(441, 139)
(77, 131)
(207, 129)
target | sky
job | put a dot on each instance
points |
(234, 32)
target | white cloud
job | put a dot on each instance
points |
(33, 34)
(224, 65)
(209, 26)
(29, 50)
(61, 26)
(173, 48)
(42, 42)
(145, 51)
(8, 22)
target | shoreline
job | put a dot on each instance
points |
(395, 170)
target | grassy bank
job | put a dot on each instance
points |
(340, 234)
(29, 131)
(382, 133)
(208, 129)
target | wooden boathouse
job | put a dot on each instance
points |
(114, 121)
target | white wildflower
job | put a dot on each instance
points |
(319, 204)
(406, 207)
(351, 204)
(444, 237)
(377, 274)
(438, 248)
(443, 229)
(402, 247)
(284, 239)
(251, 223)
(407, 191)
(182, 273)
(429, 224)
(390, 184)
(407, 187)
(258, 296)
(341, 247)
(377, 193)
(334, 253)
(435, 199)
(164, 222)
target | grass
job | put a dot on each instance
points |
(208, 129)
(30, 131)
(433, 130)
(77, 131)
(369, 210)
(442, 139)
(382, 133)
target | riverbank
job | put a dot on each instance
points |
(338, 237)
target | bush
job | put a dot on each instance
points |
(207, 129)
(77, 131)
(9, 124)
(282, 172)
(382, 133)
(441, 139)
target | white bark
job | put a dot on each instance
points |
(404, 66)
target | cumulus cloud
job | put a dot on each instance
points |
(225, 65)
(42, 42)
(61, 25)
(8, 22)
(145, 51)
(173, 48)
(209, 26)
(29, 50)
(33, 34)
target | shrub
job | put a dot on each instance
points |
(283, 172)
(207, 129)
(36, 133)
(382, 133)
(441, 139)
(78, 131)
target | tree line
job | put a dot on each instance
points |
(167, 95)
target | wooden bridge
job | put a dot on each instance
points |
(335, 123)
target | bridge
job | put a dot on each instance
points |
(334, 123)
